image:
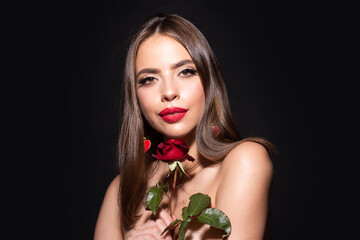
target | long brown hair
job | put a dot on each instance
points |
(134, 165)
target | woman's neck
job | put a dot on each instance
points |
(193, 167)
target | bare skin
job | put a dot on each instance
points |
(238, 185)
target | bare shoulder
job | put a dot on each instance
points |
(114, 185)
(108, 222)
(244, 182)
(247, 166)
(248, 156)
(112, 191)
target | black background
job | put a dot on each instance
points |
(286, 66)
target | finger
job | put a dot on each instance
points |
(161, 226)
(146, 225)
(147, 216)
(168, 237)
(160, 223)
(166, 217)
(143, 236)
(151, 228)
(147, 237)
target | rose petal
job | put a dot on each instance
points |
(173, 150)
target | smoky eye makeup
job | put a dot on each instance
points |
(188, 72)
(146, 80)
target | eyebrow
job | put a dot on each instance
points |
(173, 66)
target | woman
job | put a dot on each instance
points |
(173, 89)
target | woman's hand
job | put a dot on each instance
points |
(151, 229)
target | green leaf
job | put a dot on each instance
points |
(172, 166)
(216, 218)
(171, 226)
(182, 168)
(182, 229)
(153, 198)
(185, 213)
(198, 202)
(164, 187)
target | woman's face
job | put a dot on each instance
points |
(169, 89)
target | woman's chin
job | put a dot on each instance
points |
(186, 135)
(175, 136)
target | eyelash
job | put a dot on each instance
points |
(187, 72)
(145, 80)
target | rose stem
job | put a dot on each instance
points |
(172, 191)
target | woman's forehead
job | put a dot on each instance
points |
(160, 51)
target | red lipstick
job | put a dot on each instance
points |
(173, 114)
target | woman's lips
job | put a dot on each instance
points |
(172, 114)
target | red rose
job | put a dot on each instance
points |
(173, 150)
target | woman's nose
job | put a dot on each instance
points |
(170, 91)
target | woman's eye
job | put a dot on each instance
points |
(188, 72)
(146, 80)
